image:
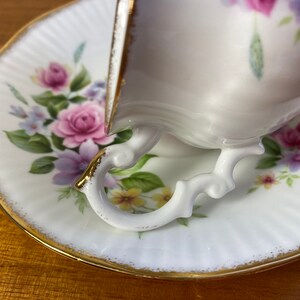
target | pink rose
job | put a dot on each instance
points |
(263, 6)
(55, 77)
(288, 137)
(80, 123)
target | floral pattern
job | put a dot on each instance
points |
(65, 126)
(282, 153)
(265, 8)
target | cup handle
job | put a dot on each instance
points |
(215, 184)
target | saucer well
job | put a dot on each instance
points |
(51, 74)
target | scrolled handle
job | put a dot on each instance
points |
(215, 184)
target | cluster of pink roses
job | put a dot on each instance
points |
(81, 126)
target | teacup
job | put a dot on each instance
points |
(215, 74)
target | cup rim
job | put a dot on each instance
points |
(124, 13)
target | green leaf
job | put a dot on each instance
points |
(66, 193)
(267, 162)
(81, 80)
(295, 176)
(284, 172)
(55, 108)
(57, 142)
(17, 94)
(43, 165)
(257, 56)
(141, 162)
(54, 103)
(285, 20)
(198, 215)
(78, 52)
(35, 144)
(289, 181)
(48, 122)
(183, 221)
(271, 146)
(80, 198)
(48, 98)
(253, 189)
(297, 36)
(77, 99)
(143, 180)
(123, 136)
(81, 201)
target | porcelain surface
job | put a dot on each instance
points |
(254, 227)
(199, 68)
(217, 82)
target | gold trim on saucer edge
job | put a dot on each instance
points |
(50, 243)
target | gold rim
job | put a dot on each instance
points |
(86, 258)
(109, 118)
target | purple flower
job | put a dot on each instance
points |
(38, 114)
(32, 126)
(292, 160)
(55, 77)
(295, 7)
(72, 164)
(18, 111)
(97, 91)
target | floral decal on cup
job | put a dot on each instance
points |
(265, 8)
(256, 52)
(65, 127)
(283, 155)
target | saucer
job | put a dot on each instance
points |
(52, 72)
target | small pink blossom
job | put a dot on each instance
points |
(80, 123)
(55, 77)
(263, 6)
(266, 180)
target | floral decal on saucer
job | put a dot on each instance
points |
(264, 8)
(65, 127)
(283, 156)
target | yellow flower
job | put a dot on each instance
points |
(162, 198)
(127, 199)
(267, 180)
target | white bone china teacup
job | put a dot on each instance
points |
(213, 73)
